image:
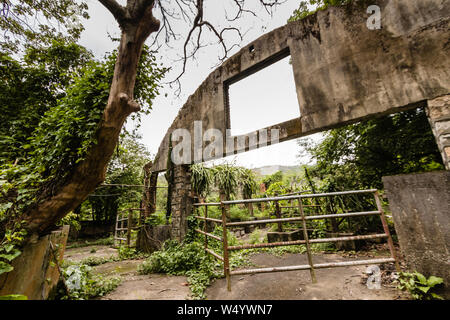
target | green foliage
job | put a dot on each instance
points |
(9, 246)
(419, 286)
(277, 189)
(276, 177)
(213, 212)
(256, 237)
(305, 5)
(175, 259)
(201, 179)
(155, 219)
(54, 99)
(125, 167)
(187, 259)
(192, 224)
(226, 178)
(238, 214)
(96, 261)
(14, 297)
(357, 156)
(84, 285)
(72, 220)
(127, 253)
(395, 144)
(30, 87)
(261, 214)
(247, 180)
(38, 22)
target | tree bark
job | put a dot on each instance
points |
(137, 23)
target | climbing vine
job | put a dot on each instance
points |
(62, 137)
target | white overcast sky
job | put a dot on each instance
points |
(265, 98)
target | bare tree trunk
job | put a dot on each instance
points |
(137, 23)
(250, 209)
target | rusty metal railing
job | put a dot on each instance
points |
(306, 241)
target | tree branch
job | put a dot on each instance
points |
(119, 12)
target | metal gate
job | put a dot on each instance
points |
(307, 242)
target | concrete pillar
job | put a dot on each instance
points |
(182, 201)
(35, 274)
(148, 203)
(420, 206)
(438, 111)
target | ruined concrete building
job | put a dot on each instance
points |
(344, 72)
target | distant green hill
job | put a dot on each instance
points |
(267, 170)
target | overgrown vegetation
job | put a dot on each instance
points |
(189, 259)
(308, 7)
(82, 284)
(201, 179)
(419, 287)
(63, 92)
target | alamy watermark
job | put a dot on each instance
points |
(374, 279)
(374, 21)
(210, 144)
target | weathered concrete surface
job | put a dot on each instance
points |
(347, 283)
(420, 205)
(182, 201)
(34, 275)
(438, 111)
(343, 71)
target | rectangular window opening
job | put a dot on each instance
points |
(262, 97)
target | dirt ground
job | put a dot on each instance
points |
(346, 283)
(97, 251)
(133, 286)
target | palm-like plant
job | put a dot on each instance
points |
(201, 179)
(249, 185)
(226, 179)
(247, 180)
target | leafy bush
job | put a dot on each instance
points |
(187, 259)
(247, 180)
(226, 178)
(72, 220)
(237, 213)
(255, 237)
(273, 178)
(156, 219)
(127, 253)
(260, 214)
(201, 179)
(42, 141)
(83, 285)
(95, 261)
(175, 259)
(419, 286)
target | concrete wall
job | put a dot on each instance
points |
(343, 71)
(34, 275)
(438, 111)
(420, 205)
